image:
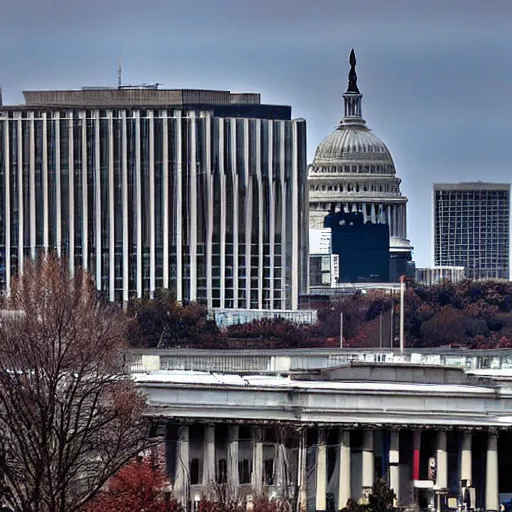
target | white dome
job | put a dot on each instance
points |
(354, 144)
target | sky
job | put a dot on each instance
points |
(436, 75)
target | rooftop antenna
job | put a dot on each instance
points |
(120, 67)
(120, 74)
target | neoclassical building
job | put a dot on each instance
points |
(353, 171)
(321, 427)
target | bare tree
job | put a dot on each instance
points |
(70, 417)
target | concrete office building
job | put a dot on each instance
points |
(200, 191)
(472, 228)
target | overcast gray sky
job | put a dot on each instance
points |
(436, 75)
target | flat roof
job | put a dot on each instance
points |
(276, 382)
(472, 185)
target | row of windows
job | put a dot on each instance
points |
(354, 169)
(354, 187)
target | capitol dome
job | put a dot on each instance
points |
(353, 171)
(352, 144)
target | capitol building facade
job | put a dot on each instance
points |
(353, 171)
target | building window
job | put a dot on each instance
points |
(194, 471)
(268, 471)
(222, 471)
(244, 471)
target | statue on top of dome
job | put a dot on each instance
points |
(352, 75)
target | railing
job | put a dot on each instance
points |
(284, 361)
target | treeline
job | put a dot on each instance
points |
(473, 314)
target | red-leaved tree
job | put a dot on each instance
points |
(138, 486)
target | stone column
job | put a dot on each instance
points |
(233, 478)
(373, 213)
(209, 456)
(394, 460)
(321, 471)
(181, 478)
(405, 221)
(302, 473)
(442, 461)
(344, 481)
(465, 459)
(416, 452)
(368, 462)
(257, 461)
(492, 501)
(280, 469)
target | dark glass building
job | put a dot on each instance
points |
(363, 248)
(203, 192)
(472, 228)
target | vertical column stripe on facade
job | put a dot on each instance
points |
(271, 212)
(261, 218)
(295, 220)
(32, 186)
(282, 171)
(179, 205)
(222, 176)
(152, 207)
(138, 204)
(7, 204)
(58, 185)
(21, 214)
(235, 219)
(165, 199)
(85, 206)
(45, 184)
(97, 198)
(111, 208)
(248, 214)
(206, 175)
(193, 207)
(71, 182)
(118, 208)
(124, 195)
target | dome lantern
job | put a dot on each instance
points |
(352, 96)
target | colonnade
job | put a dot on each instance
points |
(313, 477)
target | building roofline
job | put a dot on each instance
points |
(471, 185)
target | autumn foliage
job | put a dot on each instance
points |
(138, 486)
(474, 314)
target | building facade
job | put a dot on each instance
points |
(353, 171)
(299, 426)
(202, 192)
(435, 275)
(472, 228)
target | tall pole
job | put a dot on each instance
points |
(391, 322)
(380, 333)
(341, 330)
(402, 315)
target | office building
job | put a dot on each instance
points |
(201, 192)
(435, 275)
(353, 172)
(472, 228)
(362, 248)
